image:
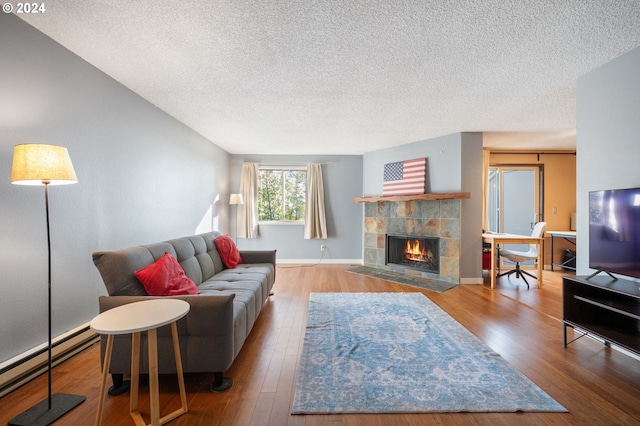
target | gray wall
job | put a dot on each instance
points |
(471, 209)
(608, 137)
(143, 177)
(444, 166)
(454, 164)
(342, 179)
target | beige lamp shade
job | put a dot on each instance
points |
(39, 164)
(235, 199)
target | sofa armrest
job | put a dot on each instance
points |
(206, 333)
(208, 314)
(258, 256)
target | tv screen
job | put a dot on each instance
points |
(614, 231)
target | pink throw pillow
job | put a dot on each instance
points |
(228, 251)
(165, 277)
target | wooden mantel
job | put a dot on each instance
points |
(439, 196)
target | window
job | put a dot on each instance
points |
(281, 194)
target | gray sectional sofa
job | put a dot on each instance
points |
(221, 315)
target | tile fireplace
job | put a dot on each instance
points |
(435, 222)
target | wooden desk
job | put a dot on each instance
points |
(568, 236)
(133, 319)
(500, 239)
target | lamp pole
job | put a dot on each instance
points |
(235, 199)
(46, 207)
(37, 164)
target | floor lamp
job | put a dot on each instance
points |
(235, 199)
(37, 164)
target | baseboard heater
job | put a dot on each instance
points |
(27, 366)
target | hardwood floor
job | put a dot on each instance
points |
(598, 385)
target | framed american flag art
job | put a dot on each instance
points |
(405, 177)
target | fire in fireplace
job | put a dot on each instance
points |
(415, 252)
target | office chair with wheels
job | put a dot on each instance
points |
(522, 256)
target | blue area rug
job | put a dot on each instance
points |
(401, 353)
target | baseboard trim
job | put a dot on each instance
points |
(27, 366)
(319, 261)
(477, 280)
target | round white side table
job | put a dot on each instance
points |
(134, 318)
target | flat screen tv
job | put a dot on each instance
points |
(614, 231)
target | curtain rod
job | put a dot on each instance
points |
(534, 152)
(282, 164)
(289, 164)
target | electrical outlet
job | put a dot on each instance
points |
(323, 247)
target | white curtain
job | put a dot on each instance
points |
(315, 223)
(248, 212)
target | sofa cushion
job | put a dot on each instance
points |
(165, 277)
(228, 251)
(248, 293)
(261, 272)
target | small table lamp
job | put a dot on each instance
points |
(37, 164)
(235, 199)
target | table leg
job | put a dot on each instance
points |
(135, 373)
(493, 264)
(552, 252)
(178, 358)
(540, 261)
(183, 394)
(154, 397)
(135, 380)
(105, 373)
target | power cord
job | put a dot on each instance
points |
(310, 265)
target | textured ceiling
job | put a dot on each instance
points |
(348, 76)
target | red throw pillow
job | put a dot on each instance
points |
(165, 277)
(228, 251)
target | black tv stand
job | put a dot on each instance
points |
(598, 306)
(598, 271)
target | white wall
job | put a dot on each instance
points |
(608, 137)
(143, 177)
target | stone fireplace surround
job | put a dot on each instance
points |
(430, 218)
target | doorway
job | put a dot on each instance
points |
(514, 202)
